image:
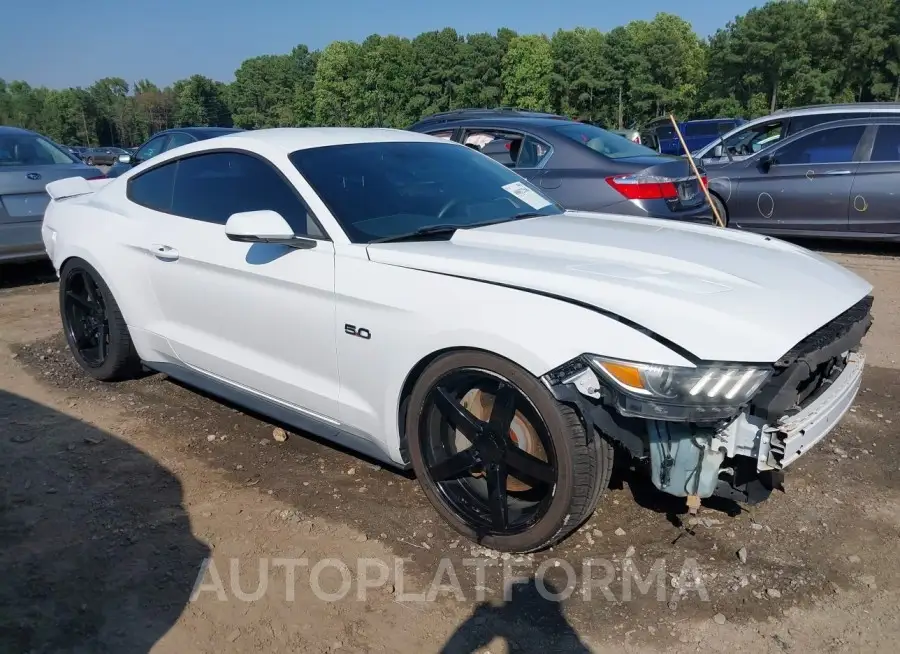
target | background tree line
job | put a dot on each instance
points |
(785, 53)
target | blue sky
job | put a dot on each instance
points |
(59, 43)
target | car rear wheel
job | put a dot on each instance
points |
(93, 324)
(501, 460)
(720, 207)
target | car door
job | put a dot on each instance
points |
(875, 195)
(259, 316)
(806, 186)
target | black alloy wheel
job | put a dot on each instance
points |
(497, 475)
(86, 319)
(505, 463)
(93, 325)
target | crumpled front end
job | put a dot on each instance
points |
(741, 457)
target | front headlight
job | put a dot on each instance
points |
(711, 392)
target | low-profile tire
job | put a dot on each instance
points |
(93, 325)
(485, 434)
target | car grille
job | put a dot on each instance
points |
(808, 367)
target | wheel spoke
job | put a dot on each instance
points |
(80, 301)
(497, 499)
(458, 416)
(504, 409)
(528, 468)
(456, 465)
(102, 332)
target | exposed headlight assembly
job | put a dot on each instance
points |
(703, 393)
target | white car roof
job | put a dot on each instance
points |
(290, 139)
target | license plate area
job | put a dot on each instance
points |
(689, 192)
(24, 206)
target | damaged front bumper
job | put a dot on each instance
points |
(741, 458)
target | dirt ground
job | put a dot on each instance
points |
(144, 516)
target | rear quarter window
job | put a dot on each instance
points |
(153, 189)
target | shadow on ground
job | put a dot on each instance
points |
(529, 621)
(15, 275)
(95, 546)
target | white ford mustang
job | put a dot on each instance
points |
(419, 302)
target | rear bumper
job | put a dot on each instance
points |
(21, 241)
(701, 214)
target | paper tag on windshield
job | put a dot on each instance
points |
(526, 195)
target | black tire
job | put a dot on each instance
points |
(583, 463)
(117, 359)
(721, 208)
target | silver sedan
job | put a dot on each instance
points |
(28, 162)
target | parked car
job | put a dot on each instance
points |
(467, 114)
(27, 162)
(73, 150)
(584, 167)
(105, 156)
(650, 133)
(836, 180)
(696, 133)
(162, 142)
(756, 135)
(632, 135)
(414, 300)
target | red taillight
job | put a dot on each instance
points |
(636, 187)
(637, 139)
(704, 182)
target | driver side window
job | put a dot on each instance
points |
(756, 138)
(150, 149)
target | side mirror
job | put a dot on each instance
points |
(765, 162)
(124, 158)
(718, 151)
(264, 226)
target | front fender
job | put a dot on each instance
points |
(413, 315)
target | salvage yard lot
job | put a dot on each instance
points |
(112, 496)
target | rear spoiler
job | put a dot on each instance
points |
(73, 186)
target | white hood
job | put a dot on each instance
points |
(721, 294)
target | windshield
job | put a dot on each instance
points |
(606, 143)
(381, 190)
(24, 149)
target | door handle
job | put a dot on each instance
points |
(164, 252)
(836, 172)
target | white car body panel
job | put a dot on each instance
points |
(538, 291)
(737, 296)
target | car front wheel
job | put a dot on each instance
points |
(501, 460)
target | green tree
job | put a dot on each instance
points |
(526, 73)
(336, 89)
(200, 101)
(439, 70)
(262, 94)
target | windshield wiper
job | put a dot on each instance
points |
(430, 230)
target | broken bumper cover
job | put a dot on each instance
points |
(792, 436)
